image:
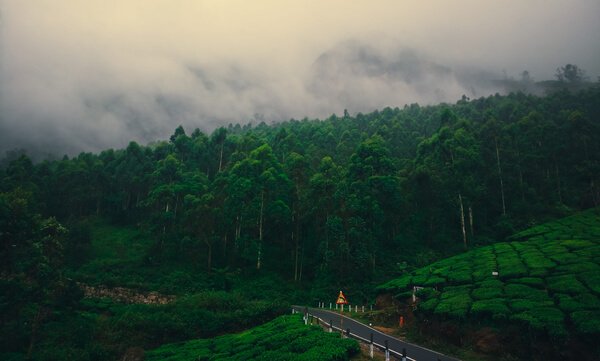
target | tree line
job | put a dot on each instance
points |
(348, 195)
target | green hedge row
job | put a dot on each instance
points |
(285, 338)
(548, 276)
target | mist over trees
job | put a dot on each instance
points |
(349, 195)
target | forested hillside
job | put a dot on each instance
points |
(320, 203)
(306, 197)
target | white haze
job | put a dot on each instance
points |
(89, 75)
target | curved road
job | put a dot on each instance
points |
(396, 346)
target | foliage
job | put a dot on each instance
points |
(358, 193)
(285, 338)
(555, 279)
(299, 209)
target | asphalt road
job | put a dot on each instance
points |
(396, 346)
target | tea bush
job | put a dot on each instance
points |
(285, 338)
(548, 275)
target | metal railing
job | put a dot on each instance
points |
(347, 333)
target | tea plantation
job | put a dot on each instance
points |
(285, 338)
(548, 280)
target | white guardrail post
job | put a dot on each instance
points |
(387, 351)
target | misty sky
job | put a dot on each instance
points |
(86, 75)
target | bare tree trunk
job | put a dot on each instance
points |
(301, 265)
(238, 227)
(164, 225)
(209, 255)
(430, 228)
(471, 222)
(373, 262)
(221, 159)
(595, 193)
(260, 230)
(521, 181)
(175, 209)
(39, 318)
(462, 220)
(558, 183)
(500, 176)
(296, 247)
(296, 250)
(326, 255)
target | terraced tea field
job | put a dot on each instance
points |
(548, 278)
(285, 338)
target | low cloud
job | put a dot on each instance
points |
(86, 76)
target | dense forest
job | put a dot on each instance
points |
(350, 200)
(308, 198)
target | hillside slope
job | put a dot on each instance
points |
(548, 281)
(285, 338)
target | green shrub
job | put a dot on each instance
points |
(459, 276)
(496, 308)
(574, 244)
(588, 300)
(484, 293)
(397, 283)
(520, 246)
(515, 290)
(593, 251)
(537, 260)
(555, 271)
(538, 272)
(592, 280)
(457, 306)
(579, 267)
(564, 258)
(420, 279)
(429, 305)
(519, 305)
(530, 281)
(483, 274)
(441, 271)
(402, 295)
(548, 319)
(511, 270)
(552, 248)
(434, 281)
(427, 293)
(285, 338)
(500, 248)
(568, 303)
(454, 291)
(586, 322)
(566, 283)
(491, 283)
